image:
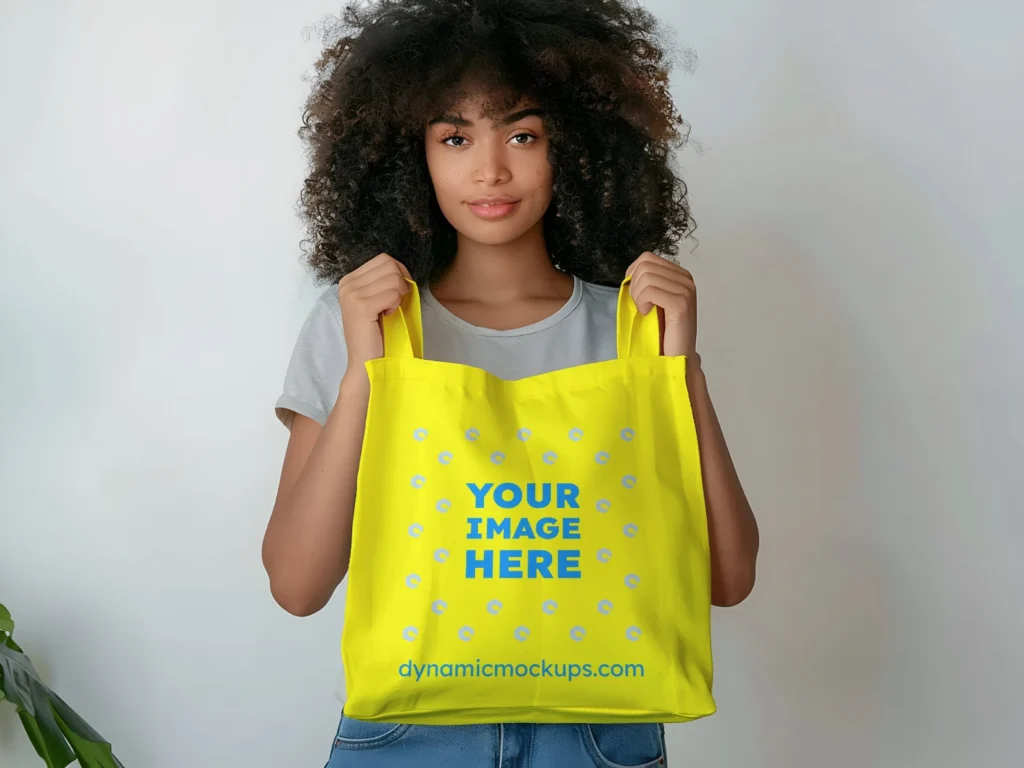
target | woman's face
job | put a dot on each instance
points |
(472, 159)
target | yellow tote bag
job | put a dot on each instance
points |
(532, 550)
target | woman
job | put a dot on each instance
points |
(511, 157)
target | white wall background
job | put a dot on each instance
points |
(860, 269)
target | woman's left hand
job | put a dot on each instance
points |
(657, 282)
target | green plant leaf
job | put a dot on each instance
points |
(42, 747)
(6, 622)
(56, 731)
(90, 754)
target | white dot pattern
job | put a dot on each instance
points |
(522, 633)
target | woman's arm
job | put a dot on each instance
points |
(307, 542)
(732, 528)
(309, 537)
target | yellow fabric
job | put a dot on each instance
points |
(592, 607)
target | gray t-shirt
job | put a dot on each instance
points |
(581, 332)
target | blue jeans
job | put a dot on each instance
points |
(362, 744)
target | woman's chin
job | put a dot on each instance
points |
(493, 233)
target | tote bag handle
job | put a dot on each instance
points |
(403, 329)
(637, 335)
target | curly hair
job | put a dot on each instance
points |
(595, 66)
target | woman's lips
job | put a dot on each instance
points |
(497, 211)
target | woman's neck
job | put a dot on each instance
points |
(501, 274)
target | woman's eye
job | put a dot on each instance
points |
(514, 138)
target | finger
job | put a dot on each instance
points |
(373, 269)
(357, 277)
(386, 300)
(656, 296)
(360, 300)
(667, 283)
(669, 280)
(366, 265)
(643, 257)
(663, 267)
(403, 269)
(384, 271)
(644, 271)
(378, 264)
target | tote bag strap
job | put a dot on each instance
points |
(638, 335)
(403, 329)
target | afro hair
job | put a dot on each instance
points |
(596, 67)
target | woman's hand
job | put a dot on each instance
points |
(373, 289)
(657, 282)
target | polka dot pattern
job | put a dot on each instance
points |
(549, 608)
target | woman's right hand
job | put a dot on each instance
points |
(375, 288)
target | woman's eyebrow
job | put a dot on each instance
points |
(507, 120)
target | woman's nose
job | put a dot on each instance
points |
(492, 168)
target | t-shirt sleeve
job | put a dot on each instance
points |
(317, 363)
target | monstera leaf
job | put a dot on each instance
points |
(59, 735)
